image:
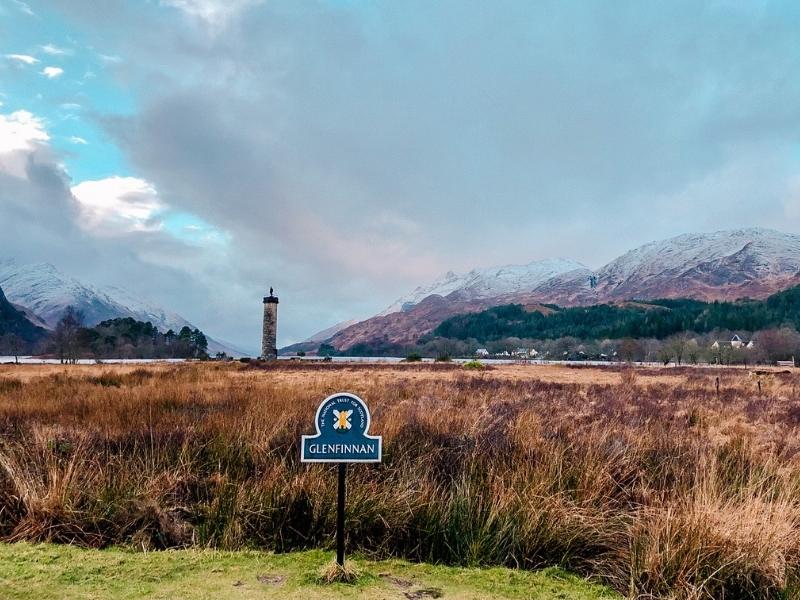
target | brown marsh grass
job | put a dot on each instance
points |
(649, 480)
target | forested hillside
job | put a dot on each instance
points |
(653, 319)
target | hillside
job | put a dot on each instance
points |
(14, 322)
(724, 265)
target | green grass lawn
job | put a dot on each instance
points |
(30, 571)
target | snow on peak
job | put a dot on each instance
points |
(489, 282)
(42, 288)
(47, 292)
(778, 252)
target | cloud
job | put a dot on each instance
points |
(52, 72)
(215, 13)
(44, 222)
(24, 8)
(22, 135)
(21, 130)
(22, 58)
(117, 205)
(53, 50)
(78, 140)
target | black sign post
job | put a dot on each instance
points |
(342, 423)
(340, 514)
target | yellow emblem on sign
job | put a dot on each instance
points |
(342, 421)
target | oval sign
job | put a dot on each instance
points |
(342, 422)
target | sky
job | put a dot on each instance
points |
(197, 152)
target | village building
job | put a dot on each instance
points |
(482, 352)
(735, 342)
(526, 353)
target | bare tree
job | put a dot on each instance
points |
(692, 350)
(665, 354)
(630, 350)
(66, 335)
(12, 344)
(777, 344)
(677, 347)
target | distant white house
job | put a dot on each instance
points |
(526, 353)
(482, 352)
(735, 342)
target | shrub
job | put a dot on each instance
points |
(628, 377)
(8, 384)
(474, 365)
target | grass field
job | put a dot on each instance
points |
(33, 572)
(681, 483)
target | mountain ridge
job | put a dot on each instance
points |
(720, 265)
(489, 282)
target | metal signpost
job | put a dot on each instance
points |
(342, 422)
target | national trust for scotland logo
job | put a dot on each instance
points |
(341, 420)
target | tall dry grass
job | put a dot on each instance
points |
(650, 481)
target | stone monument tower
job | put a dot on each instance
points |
(269, 334)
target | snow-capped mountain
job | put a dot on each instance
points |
(47, 292)
(723, 265)
(479, 284)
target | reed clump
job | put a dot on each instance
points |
(336, 573)
(651, 482)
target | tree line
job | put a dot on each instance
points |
(656, 319)
(72, 339)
